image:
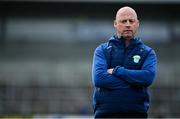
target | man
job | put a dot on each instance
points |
(123, 69)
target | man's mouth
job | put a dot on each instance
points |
(127, 30)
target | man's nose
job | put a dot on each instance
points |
(128, 24)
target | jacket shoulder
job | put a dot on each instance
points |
(102, 46)
(145, 47)
(106, 44)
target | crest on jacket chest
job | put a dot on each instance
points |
(136, 58)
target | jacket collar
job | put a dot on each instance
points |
(121, 40)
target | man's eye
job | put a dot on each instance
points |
(131, 21)
(123, 21)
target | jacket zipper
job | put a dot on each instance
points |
(125, 55)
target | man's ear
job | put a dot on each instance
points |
(115, 23)
(137, 23)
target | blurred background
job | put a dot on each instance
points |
(46, 51)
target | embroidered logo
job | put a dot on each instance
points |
(109, 47)
(136, 58)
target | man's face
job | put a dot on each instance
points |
(126, 24)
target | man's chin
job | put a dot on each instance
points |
(128, 37)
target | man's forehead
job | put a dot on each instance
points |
(126, 16)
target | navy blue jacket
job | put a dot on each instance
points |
(126, 89)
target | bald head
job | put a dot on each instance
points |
(126, 11)
(126, 22)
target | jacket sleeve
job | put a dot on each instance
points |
(143, 77)
(101, 78)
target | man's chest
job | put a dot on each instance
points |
(130, 58)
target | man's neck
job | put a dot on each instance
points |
(127, 40)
